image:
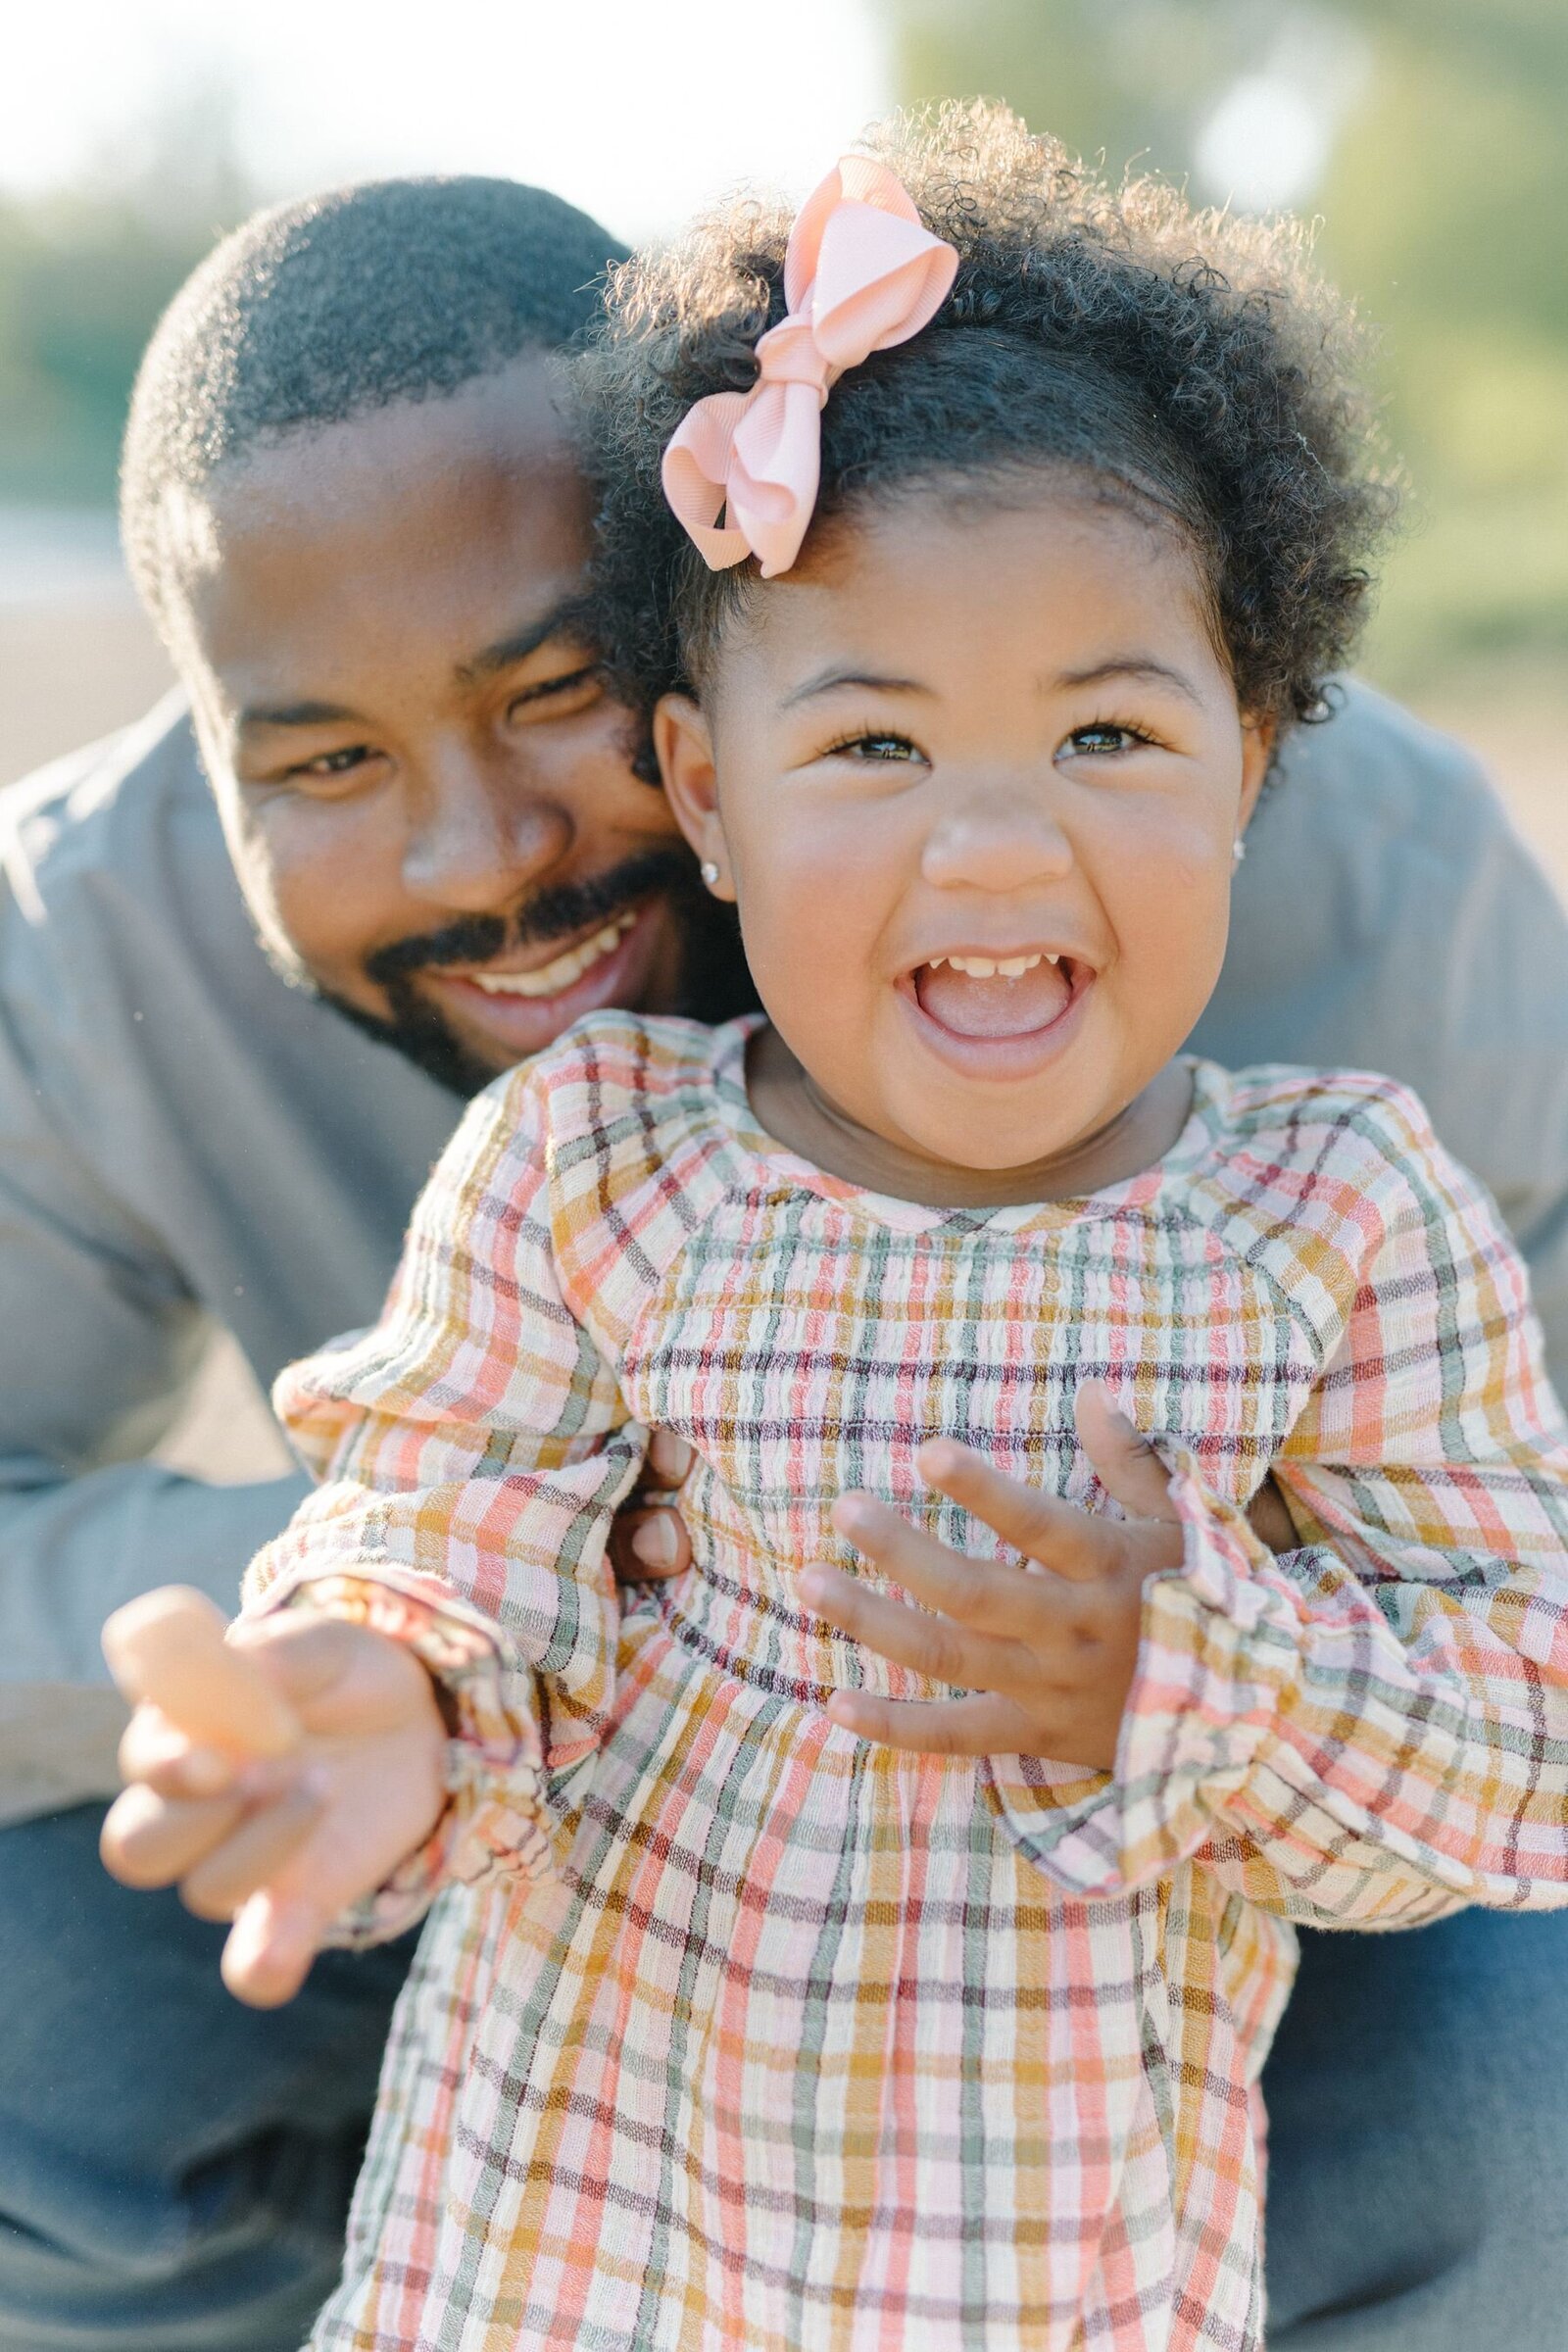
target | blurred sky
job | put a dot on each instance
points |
(638, 110)
(1426, 133)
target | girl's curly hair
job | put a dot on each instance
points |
(1189, 362)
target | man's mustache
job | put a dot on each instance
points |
(558, 912)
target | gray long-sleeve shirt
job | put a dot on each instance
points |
(185, 1142)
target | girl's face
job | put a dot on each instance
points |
(974, 772)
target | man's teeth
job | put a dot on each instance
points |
(987, 967)
(552, 979)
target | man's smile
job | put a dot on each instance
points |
(520, 1009)
(505, 978)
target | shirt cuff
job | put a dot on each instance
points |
(1218, 1652)
(497, 1820)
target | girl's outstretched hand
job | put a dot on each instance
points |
(1047, 1652)
(282, 1843)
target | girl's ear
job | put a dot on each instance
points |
(685, 748)
(1258, 738)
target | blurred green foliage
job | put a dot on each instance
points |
(1443, 208)
(83, 275)
(81, 283)
(1444, 202)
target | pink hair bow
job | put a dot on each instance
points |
(861, 275)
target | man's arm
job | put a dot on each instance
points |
(1388, 918)
(98, 1342)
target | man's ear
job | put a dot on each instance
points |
(1259, 738)
(684, 746)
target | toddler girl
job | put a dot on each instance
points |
(968, 545)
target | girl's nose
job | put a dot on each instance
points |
(477, 839)
(995, 840)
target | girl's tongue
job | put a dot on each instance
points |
(1003, 1005)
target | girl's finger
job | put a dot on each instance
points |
(1121, 1456)
(356, 1675)
(168, 1648)
(271, 1947)
(303, 1656)
(1073, 1543)
(151, 1841)
(937, 1646)
(991, 1596)
(983, 1726)
(257, 1852)
(170, 1763)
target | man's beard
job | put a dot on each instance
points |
(713, 983)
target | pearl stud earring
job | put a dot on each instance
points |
(1238, 851)
(710, 871)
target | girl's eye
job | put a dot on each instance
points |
(872, 748)
(1102, 739)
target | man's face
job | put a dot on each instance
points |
(425, 790)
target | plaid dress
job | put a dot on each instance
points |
(729, 2029)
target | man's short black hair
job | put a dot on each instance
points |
(332, 306)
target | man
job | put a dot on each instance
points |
(350, 507)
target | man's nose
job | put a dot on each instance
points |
(477, 836)
(996, 836)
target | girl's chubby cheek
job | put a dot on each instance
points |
(1191, 870)
(1193, 855)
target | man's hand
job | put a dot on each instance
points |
(282, 1846)
(1047, 1650)
(647, 1542)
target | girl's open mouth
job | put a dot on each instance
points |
(997, 1015)
(992, 996)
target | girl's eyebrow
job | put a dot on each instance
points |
(1131, 665)
(826, 682)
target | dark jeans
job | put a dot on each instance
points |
(174, 2169)
(1418, 2142)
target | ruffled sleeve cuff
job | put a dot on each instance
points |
(498, 1818)
(1218, 1652)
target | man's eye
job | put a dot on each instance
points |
(873, 748)
(335, 764)
(1102, 738)
(573, 685)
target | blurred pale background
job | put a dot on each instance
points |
(1424, 136)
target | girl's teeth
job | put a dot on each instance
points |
(986, 967)
(551, 979)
